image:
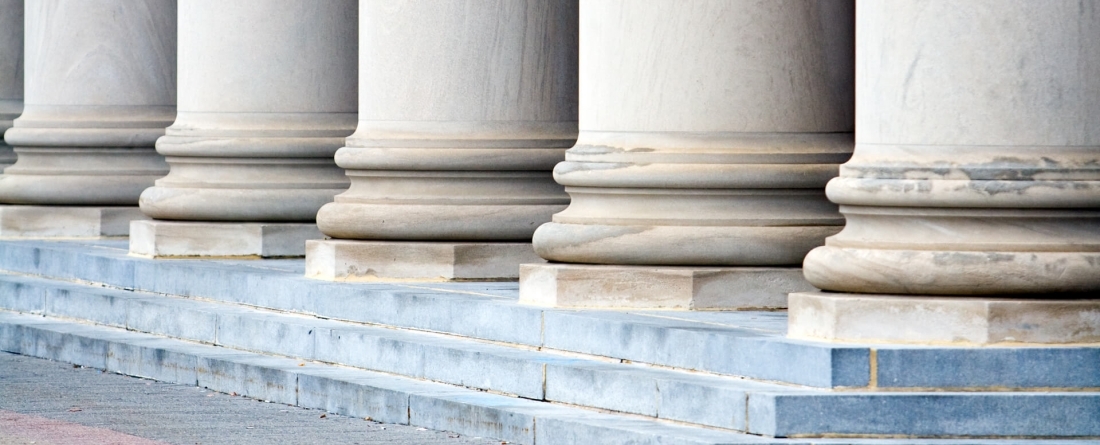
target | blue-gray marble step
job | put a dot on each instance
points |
(746, 344)
(368, 394)
(527, 373)
(345, 391)
(735, 404)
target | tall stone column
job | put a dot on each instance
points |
(973, 197)
(100, 87)
(11, 72)
(465, 107)
(267, 96)
(708, 130)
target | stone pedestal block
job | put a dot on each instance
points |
(338, 260)
(168, 239)
(262, 110)
(100, 88)
(11, 72)
(657, 287)
(947, 320)
(23, 221)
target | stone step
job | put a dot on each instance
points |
(360, 393)
(736, 404)
(350, 392)
(745, 344)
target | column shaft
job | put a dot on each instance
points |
(976, 169)
(262, 110)
(11, 72)
(465, 107)
(100, 88)
(708, 130)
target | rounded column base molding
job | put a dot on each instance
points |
(80, 176)
(220, 204)
(434, 222)
(679, 245)
(947, 272)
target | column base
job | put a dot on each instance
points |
(865, 318)
(658, 287)
(186, 239)
(28, 221)
(346, 260)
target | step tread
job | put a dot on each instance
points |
(429, 404)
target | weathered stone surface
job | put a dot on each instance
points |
(342, 260)
(262, 110)
(690, 152)
(976, 172)
(921, 319)
(26, 221)
(166, 239)
(656, 287)
(100, 87)
(11, 72)
(465, 107)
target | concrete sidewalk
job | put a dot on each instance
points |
(48, 402)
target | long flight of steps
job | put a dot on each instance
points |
(466, 357)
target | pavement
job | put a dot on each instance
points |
(44, 402)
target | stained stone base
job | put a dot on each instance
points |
(657, 287)
(941, 320)
(28, 221)
(344, 260)
(160, 239)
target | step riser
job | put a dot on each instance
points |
(570, 381)
(670, 343)
(380, 397)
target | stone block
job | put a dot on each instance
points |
(341, 260)
(167, 239)
(658, 287)
(712, 405)
(990, 414)
(19, 221)
(942, 320)
(21, 295)
(457, 362)
(604, 385)
(152, 359)
(266, 333)
(474, 414)
(173, 318)
(87, 304)
(265, 378)
(350, 393)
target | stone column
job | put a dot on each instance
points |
(708, 130)
(11, 72)
(262, 110)
(100, 88)
(973, 197)
(465, 107)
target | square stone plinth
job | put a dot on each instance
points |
(941, 320)
(24, 221)
(658, 287)
(162, 239)
(352, 260)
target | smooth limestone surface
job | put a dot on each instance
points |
(656, 287)
(99, 89)
(691, 151)
(262, 110)
(167, 239)
(347, 260)
(11, 72)
(942, 320)
(28, 221)
(975, 171)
